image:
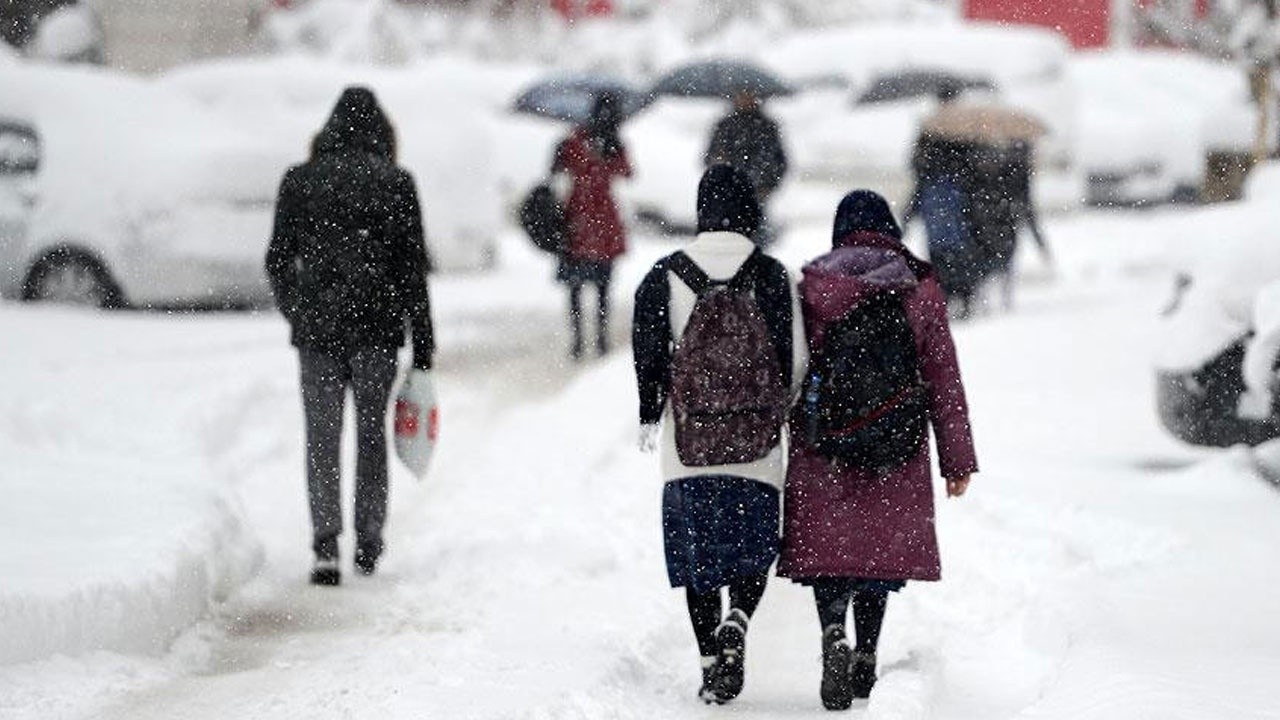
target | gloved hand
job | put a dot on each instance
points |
(1254, 406)
(648, 437)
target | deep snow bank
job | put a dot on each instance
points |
(111, 562)
(117, 535)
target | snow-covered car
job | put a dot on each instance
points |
(140, 198)
(1225, 297)
(442, 110)
(19, 162)
(1147, 121)
(150, 194)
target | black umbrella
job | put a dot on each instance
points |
(908, 84)
(720, 79)
(571, 97)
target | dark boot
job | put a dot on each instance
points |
(732, 638)
(710, 676)
(837, 664)
(602, 323)
(325, 572)
(863, 677)
(366, 560)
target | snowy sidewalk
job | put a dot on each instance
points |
(1096, 570)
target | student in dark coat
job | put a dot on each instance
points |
(348, 266)
(943, 200)
(592, 157)
(854, 535)
(720, 522)
(750, 141)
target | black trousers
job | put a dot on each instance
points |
(576, 274)
(369, 374)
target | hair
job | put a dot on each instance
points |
(727, 201)
(864, 211)
(602, 126)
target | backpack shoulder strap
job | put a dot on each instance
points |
(748, 273)
(688, 271)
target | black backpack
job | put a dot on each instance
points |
(864, 400)
(542, 217)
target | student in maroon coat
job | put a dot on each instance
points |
(855, 535)
(592, 156)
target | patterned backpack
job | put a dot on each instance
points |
(728, 394)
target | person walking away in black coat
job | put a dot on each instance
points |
(750, 141)
(348, 267)
(1001, 205)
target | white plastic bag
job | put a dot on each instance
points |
(417, 423)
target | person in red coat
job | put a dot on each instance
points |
(855, 535)
(592, 157)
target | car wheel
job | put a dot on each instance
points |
(71, 277)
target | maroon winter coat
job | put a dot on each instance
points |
(596, 232)
(846, 522)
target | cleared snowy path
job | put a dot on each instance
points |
(1087, 575)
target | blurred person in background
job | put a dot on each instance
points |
(1001, 205)
(749, 140)
(592, 157)
(348, 267)
(943, 200)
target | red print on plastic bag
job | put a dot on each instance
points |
(408, 419)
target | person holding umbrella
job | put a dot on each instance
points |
(973, 192)
(1003, 204)
(746, 139)
(749, 140)
(592, 156)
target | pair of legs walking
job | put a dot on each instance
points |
(720, 531)
(834, 596)
(722, 636)
(849, 672)
(602, 316)
(369, 373)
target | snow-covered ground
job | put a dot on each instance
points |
(1098, 569)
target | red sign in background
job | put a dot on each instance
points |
(574, 9)
(1086, 23)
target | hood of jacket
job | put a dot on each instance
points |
(357, 123)
(865, 264)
